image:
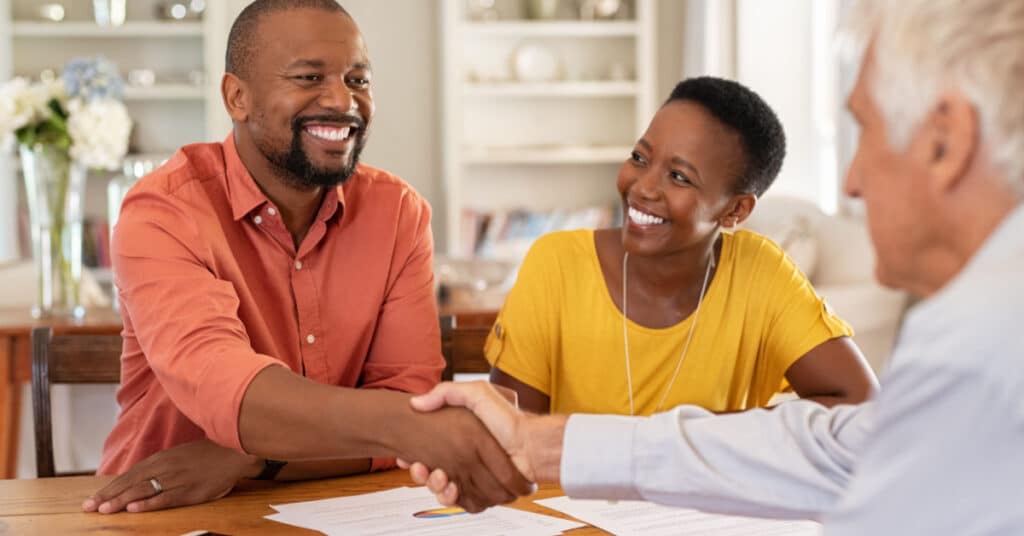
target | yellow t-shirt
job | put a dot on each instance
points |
(560, 332)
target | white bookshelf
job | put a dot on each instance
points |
(164, 92)
(166, 115)
(540, 145)
(556, 29)
(526, 156)
(554, 89)
(90, 29)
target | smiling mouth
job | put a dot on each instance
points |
(640, 217)
(330, 133)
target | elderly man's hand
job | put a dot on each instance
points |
(532, 442)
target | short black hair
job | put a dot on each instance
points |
(241, 40)
(746, 113)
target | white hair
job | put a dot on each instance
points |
(924, 47)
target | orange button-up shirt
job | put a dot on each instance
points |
(213, 290)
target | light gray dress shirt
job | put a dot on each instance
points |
(940, 451)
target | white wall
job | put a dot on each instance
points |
(783, 51)
(404, 43)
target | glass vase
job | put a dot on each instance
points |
(54, 188)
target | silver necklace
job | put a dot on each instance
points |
(625, 333)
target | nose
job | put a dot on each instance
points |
(648, 183)
(336, 95)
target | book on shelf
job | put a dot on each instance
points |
(508, 234)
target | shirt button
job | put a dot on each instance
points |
(271, 211)
(310, 338)
(298, 265)
(257, 220)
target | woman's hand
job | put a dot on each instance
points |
(187, 474)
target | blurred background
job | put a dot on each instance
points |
(511, 117)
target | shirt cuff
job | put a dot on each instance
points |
(597, 457)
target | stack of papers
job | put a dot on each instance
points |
(628, 518)
(412, 512)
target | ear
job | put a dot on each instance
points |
(737, 210)
(235, 93)
(951, 137)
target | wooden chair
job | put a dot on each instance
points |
(463, 346)
(68, 359)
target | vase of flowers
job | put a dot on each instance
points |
(63, 127)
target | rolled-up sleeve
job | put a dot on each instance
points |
(185, 318)
(793, 461)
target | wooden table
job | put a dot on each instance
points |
(16, 366)
(53, 506)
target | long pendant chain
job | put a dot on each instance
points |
(625, 333)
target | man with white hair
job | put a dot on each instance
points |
(940, 166)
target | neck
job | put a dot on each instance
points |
(298, 207)
(676, 276)
(969, 227)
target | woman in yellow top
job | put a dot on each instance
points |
(670, 309)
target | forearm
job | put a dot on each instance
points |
(792, 461)
(312, 470)
(284, 416)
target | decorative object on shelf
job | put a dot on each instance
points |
(109, 12)
(541, 9)
(481, 10)
(181, 10)
(598, 9)
(536, 63)
(63, 127)
(141, 78)
(52, 12)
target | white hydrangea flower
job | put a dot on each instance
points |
(17, 108)
(99, 132)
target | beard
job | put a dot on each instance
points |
(301, 171)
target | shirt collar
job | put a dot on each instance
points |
(245, 196)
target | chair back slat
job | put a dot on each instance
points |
(463, 347)
(71, 359)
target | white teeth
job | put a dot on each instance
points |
(329, 133)
(643, 218)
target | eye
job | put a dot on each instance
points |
(312, 77)
(679, 177)
(359, 81)
(636, 157)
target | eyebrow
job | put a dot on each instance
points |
(319, 64)
(679, 161)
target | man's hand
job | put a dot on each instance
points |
(191, 473)
(454, 440)
(534, 443)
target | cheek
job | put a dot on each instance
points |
(624, 179)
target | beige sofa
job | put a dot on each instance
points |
(835, 252)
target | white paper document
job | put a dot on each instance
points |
(412, 512)
(628, 518)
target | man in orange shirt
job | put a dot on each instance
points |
(265, 278)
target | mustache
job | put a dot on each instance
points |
(352, 120)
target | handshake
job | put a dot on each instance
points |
(533, 443)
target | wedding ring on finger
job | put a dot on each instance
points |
(156, 485)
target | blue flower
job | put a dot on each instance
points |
(92, 79)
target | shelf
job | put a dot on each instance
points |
(163, 92)
(554, 29)
(546, 155)
(92, 30)
(554, 89)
